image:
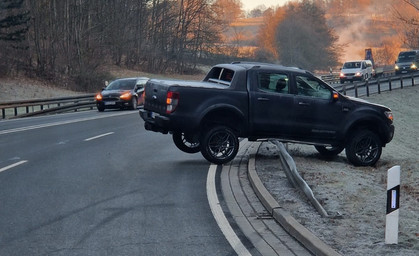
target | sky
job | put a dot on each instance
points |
(251, 4)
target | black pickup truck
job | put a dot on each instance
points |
(260, 101)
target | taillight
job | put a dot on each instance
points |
(172, 100)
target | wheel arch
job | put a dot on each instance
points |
(372, 124)
(224, 115)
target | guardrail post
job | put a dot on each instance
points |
(378, 85)
(368, 88)
(401, 82)
(413, 80)
(15, 111)
(389, 84)
(3, 113)
(344, 89)
(356, 90)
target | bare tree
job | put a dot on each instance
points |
(407, 12)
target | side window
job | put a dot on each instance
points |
(273, 82)
(220, 75)
(311, 87)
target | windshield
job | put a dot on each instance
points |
(354, 64)
(121, 85)
(406, 57)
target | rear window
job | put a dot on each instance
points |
(220, 76)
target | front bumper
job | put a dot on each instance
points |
(390, 134)
(114, 104)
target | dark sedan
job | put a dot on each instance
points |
(125, 93)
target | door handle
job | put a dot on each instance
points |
(301, 103)
(263, 99)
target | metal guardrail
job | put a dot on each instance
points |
(376, 86)
(25, 108)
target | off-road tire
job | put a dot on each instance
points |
(219, 144)
(364, 148)
(185, 144)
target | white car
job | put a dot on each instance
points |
(359, 70)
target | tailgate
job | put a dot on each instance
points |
(155, 96)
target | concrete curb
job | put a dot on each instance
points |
(289, 223)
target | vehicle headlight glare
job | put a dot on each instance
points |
(98, 96)
(126, 96)
(413, 66)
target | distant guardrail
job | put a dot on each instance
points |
(25, 108)
(378, 85)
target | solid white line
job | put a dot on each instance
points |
(99, 136)
(13, 165)
(219, 216)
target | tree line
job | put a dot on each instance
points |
(73, 38)
(71, 41)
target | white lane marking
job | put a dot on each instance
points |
(219, 216)
(99, 136)
(32, 127)
(13, 165)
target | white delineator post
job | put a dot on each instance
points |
(393, 204)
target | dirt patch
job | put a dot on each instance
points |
(14, 89)
(355, 197)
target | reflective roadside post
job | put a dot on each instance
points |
(393, 204)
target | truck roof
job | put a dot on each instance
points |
(250, 65)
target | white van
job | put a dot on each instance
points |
(360, 70)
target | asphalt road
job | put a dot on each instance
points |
(94, 183)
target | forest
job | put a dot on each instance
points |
(73, 41)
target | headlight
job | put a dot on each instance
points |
(389, 115)
(396, 67)
(342, 74)
(413, 66)
(126, 96)
(358, 74)
(98, 96)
